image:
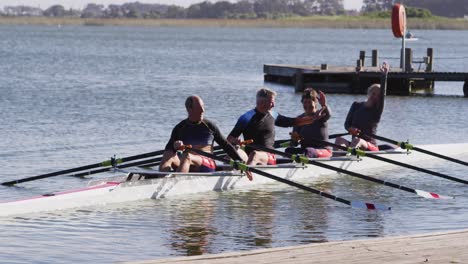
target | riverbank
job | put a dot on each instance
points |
(435, 248)
(296, 22)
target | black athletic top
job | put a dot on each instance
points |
(202, 133)
(260, 127)
(318, 130)
(365, 118)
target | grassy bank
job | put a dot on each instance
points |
(298, 22)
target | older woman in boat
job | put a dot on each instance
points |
(363, 117)
(310, 136)
(198, 132)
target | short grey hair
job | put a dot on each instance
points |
(265, 93)
(373, 87)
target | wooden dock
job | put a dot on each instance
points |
(436, 248)
(356, 80)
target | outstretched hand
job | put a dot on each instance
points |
(322, 99)
(385, 68)
(304, 120)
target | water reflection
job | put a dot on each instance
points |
(193, 227)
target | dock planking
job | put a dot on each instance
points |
(356, 80)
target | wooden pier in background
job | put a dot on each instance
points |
(356, 80)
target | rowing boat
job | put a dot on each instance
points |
(143, 184)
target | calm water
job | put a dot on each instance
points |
(72, 96)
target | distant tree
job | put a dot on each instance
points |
(244, 9)
(196, 10)
(222, 9)
(114, 11)
(269, 8)
(175, 12)
(377, 5)
(55, 11)
(447, 8)
(418, 12)
(93, 11)
(331, 7)
(298, 7)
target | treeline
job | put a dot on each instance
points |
(244, 9)
(418, 8)
(247, 9)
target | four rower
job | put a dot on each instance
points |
(258, 124)
(198, 132)
(363, 117)
(309, 136)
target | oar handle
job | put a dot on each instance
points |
(247, 142)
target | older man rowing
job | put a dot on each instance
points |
(198, 132)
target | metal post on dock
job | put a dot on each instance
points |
(362, 57)
(402, 58)
(408, 60)
(375, 58)
(465, 88)
(430, 59)
(299, 81)
(358, 65)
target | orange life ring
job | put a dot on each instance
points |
(398, 20)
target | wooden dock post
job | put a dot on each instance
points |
(299, 81)
(408, 60)
(362, 57)
(375, 58)
(358, 65)
(465, 88)
(430, 59)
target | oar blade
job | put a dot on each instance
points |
(369, 206)
(431, 195)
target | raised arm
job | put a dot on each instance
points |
(383, 86)
(325, 111)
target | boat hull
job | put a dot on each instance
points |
(118, 189)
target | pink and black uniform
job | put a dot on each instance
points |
(261, 128)
(366, 118)
(311, 134)
(201, 133)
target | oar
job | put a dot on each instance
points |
(284, 143)
(303, 159)
(394, 162)
(405, 145)
(338, 135)
(86, 167)
(243, 167)
(146, 163)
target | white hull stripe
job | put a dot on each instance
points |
(99, 186)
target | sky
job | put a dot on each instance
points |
(80, 4)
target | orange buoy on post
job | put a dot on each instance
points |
(399, 29)
(398, 21)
